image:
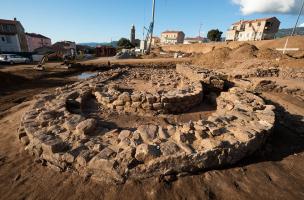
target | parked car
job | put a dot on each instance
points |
(13, 59)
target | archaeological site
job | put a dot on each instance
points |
(194, 100)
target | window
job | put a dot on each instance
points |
(268, 24)
(250, 24)
(5, 27)
(8, 39)
(259, 24)
(3, 39)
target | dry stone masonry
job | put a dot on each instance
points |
(57, 133)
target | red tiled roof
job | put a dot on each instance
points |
(173, 32)
(255, 20)
(36, 35)
(5, 21)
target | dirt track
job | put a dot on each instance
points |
(274, 172)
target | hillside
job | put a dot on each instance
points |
(287, 32)
(95, 44)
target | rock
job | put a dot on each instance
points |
(136, 98)
(124, 134)
(72, 122)
(124, 97)
(25, 140)
(136, 104)
(150, 98)
(157, 106)
(162, 134)
(84, 157)
(168, 148)
(106, 153)
(54, 146)
(118, 103)
(147, 132)
(146, 106)
(145, 152)
(86, 127)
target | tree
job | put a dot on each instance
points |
(124, 43)
(214, 35)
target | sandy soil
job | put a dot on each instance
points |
(136, 61)
(294, 42)
(274, 172)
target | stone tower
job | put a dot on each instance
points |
(132, 36)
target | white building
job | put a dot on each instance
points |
(12, 36)
(172, 37)
(251, 30)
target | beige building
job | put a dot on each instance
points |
(172, 37)
(250, 30)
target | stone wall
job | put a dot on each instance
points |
(174, 101)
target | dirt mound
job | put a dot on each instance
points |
(213, 58)
(244, 51)
(293, 42)
(8, 79)
(269, 54)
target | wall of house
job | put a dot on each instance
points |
(21, 37)
(9, 43)
(35, 42)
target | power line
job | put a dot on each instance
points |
(294, 29)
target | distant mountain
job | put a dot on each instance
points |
(95, 44)
(287, 31)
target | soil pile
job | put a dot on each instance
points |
(244, 51)
(293, 42)
(214, 58)
(269, 54)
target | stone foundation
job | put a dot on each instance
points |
(56, 133)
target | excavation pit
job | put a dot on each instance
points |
(140, 122)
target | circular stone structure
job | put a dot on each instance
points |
(58, 133)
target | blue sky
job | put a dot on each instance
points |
(103, 20)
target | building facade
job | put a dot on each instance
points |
(35, 41)
(172, 37)
(251, 30)
(65, 48)
(105, 51)
(12, 36)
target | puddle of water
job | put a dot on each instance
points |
(86, 75)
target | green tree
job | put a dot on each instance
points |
(214, 35)
(124, 43)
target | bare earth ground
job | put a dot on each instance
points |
(274, 172)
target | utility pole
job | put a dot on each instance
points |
(151, 27)
(199, 31)
(294, 28)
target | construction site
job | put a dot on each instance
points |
(216, 120)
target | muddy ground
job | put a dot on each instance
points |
(274, 172)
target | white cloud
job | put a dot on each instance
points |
(248, 7)
(301, 25)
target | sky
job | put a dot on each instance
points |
(106, 20)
